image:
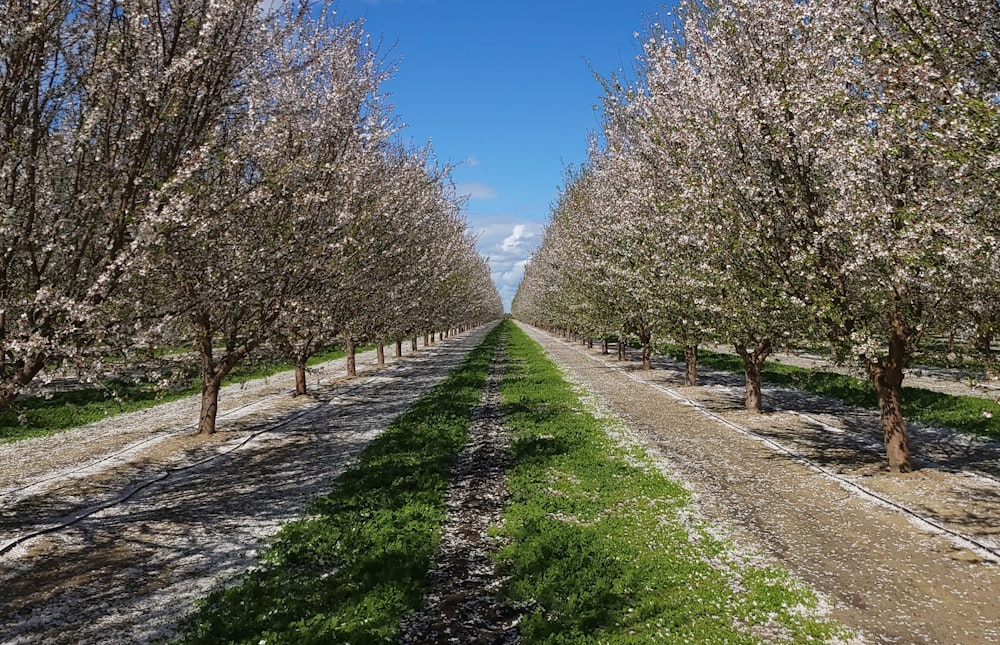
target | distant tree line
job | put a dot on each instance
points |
(217, 175)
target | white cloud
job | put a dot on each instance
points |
(507, 243)
(512, 241)
(476, 190)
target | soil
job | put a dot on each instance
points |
(463, 605)
(112, 531)
(901, 558)
(145, 517)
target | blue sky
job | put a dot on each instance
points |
(505, 90)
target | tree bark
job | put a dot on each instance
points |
(352, 366)
(14, 382)
(399, 348)
(214, 372)
(691, 365)
(426, 340)
(413, 344)
(984, 345)
(646, 339)
(590, 342)
(209, 405)
(380, 353)
(753, 363)
(887, 377)
(300, 374)
(604, 346)
(621, 348)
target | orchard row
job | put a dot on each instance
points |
(820, 172)
(214, 174)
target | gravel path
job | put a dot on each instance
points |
(896, 555)
(182, 513)
(463, 604)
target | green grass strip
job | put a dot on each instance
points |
(967, 414)
(351, 570)
(39, 416)
(605, 547)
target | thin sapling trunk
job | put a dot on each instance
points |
(351, 350)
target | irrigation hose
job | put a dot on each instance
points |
(989, 552)
(128, 494)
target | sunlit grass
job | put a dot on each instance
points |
(37, 416)
(603, 547)
(358, 564)
(969, 414)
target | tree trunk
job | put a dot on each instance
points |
(209, 405)
(887, 377)
(413, 344)
(214, 372)
(691, 365)
(13, 383)
(753, 362)
(399, 348)
(621, 348)
(645, 339)
(590, 342)
(380, 354)
(984, 345)
(426, 341)
(604, 346)
(352, 365)
(300, 374)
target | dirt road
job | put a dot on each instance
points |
(905, 559)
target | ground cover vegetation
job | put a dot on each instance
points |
(604, 548)
(596, 541)
(358, 562)
(818, 173)
(970, 414)
(221, 177)
(42, 415)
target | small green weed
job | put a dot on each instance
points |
(604, 547)
(358, 564)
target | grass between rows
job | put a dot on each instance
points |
(968, 414)
(37, 416)
(358, 563)
(605, 548)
